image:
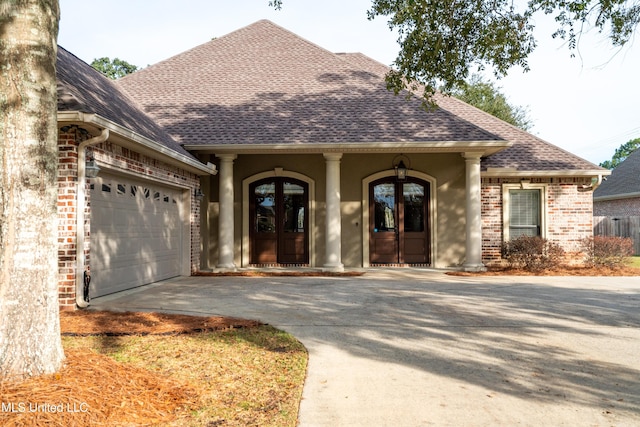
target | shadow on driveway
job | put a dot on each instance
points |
(418, 347)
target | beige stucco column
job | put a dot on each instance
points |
(333, 259)
(225, 222)
(473, 261)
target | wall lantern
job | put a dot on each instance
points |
(400, 167)
(198, 194)
(91, 169)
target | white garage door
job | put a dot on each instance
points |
(136, 234)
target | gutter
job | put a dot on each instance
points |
(80, 202)
(486, 148)
(138, 142)
(595, 183)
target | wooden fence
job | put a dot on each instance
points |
(628, 226)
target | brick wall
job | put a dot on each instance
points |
(620, 207)
(67, 193)
(569, 215)
(116, 158)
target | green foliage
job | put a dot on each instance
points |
(113, 69)
(620, 17)
(442, 41)
(487, 97)
(621, 153)
(532, 253)
(607, 251)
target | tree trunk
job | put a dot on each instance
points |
(29, 320)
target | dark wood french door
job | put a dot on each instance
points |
(279, 221)
(398, 222)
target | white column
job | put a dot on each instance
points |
(473, 261)
(333, 259)
(225, 220)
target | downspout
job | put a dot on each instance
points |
(595, 183)
(80, 202)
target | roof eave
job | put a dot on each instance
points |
(129, 139)
(616, 197)
(553, 173)
(484, 148)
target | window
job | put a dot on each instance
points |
(524, 210)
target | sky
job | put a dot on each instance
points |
(587, 105)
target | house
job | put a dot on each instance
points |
(616, 203)
(320, 166)
(619, 195)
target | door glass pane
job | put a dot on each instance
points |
(524, 215)
(265, 201)
(384, 198)
(413, 206)
(294, 207)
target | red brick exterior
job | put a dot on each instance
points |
(569, 215)
(617, 208)
(115, 158)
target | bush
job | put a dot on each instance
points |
(532, 253)
(603, 251)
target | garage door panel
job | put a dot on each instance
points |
(136, 234)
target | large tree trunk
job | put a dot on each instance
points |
(29, 320)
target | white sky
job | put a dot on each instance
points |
(585, 105)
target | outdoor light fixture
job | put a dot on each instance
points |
(91, 169)
(401, 171)
(198, 194)
(400, 167)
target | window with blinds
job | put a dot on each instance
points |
(524, 213)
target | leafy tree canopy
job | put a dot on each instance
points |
(621, 153)
(114, 69)
(442, 41)
(487, 97)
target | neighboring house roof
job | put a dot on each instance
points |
(83, 89)
(624, 180)
(265, 86)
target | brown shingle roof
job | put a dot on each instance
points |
(265, 85)
(83, 89)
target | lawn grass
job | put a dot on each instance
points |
(634, 261)
(249, 376)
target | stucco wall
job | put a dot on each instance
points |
(446, 169)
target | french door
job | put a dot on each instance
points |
(398, 222)
(279, 221)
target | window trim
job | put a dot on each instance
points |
(506, 205)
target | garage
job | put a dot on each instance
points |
(136, 234)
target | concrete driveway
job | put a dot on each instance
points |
(411, 347)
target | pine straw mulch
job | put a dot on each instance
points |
(87, 322)
(562, 271)
(94, 389)
(281, 273)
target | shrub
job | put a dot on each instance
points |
(607, 251)
(532, 253)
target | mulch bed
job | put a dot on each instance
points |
(93, 389)
(280, 273)
(564, 271)
(88, 322)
